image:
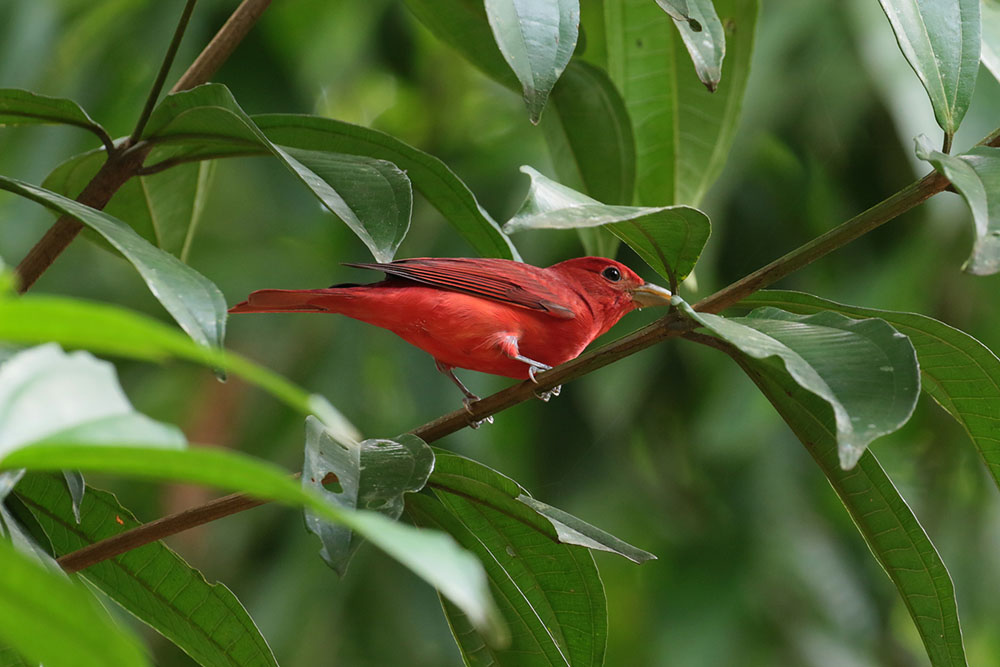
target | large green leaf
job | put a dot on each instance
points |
(668, 238)
(52, 620)
(432, 178)
(976, 176)
(46, 393)
(194, 301)
(373, 474)
(370, 196)
(891, 530)
(22, 107)
(865, 370)
(152, 582)
(462, 24)
(536, 38)
(550, 594)
(113, 330)
(702, 32)
(957, 371)
(433, 556)
(164, 208)
(682, 132)
(600, 164)
(941, 41)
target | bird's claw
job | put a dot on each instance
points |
(535, 368)
(544, 396)
(475, 423)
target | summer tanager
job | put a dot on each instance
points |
(490, 315)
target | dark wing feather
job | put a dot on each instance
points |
(501, 280)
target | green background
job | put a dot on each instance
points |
(672, 449)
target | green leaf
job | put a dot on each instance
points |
(941, 41)
(152, 582)
(991, 36)
(432, 178)
(164, 208)
(371, 475)
(602, 164)
(976, 176)
(11, 658)
(435, 557)
(113, 330)
(550, 594)
(536, 38)
(571, 530)
(194, 301)
(24, 537)
(957, 371)
(462, 24)
(682, 132)
(865, 370)
(39, 606)
(891, 530)
(22, 107)
(46, 393)
(370, 196)
(462, 476)
(702, 32)
(429, 175)
(668, 238)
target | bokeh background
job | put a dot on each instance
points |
(671, 449)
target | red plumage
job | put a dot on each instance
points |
(490, 315)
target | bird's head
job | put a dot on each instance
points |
(611, 288)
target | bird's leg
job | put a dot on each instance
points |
(469, 396)
(510, 348)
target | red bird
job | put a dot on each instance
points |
(490, 315)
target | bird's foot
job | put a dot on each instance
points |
(544, 396)
(535, 367)
(475, 423)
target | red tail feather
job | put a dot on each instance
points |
(279, 301)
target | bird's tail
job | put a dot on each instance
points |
(281, 301)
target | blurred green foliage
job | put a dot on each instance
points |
(671, 449)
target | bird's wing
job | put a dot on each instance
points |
(501, 280)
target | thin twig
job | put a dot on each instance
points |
(672, 325)
(161, 76)
(222, 45)
(124, 163)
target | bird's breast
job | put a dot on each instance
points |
(463, 330)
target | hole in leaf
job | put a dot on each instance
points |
(332, 483)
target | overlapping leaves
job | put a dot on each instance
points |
(548, 590)
(976, 176)
(194, 301)
(668, 238)
(865, 370)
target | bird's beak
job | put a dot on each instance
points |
(649, 294)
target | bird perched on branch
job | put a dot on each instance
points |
(490, 315)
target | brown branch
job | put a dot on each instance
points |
(670, 326)
(222, 45)
(141, 535)
(124, 164)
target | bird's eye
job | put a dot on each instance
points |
(612, 274)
